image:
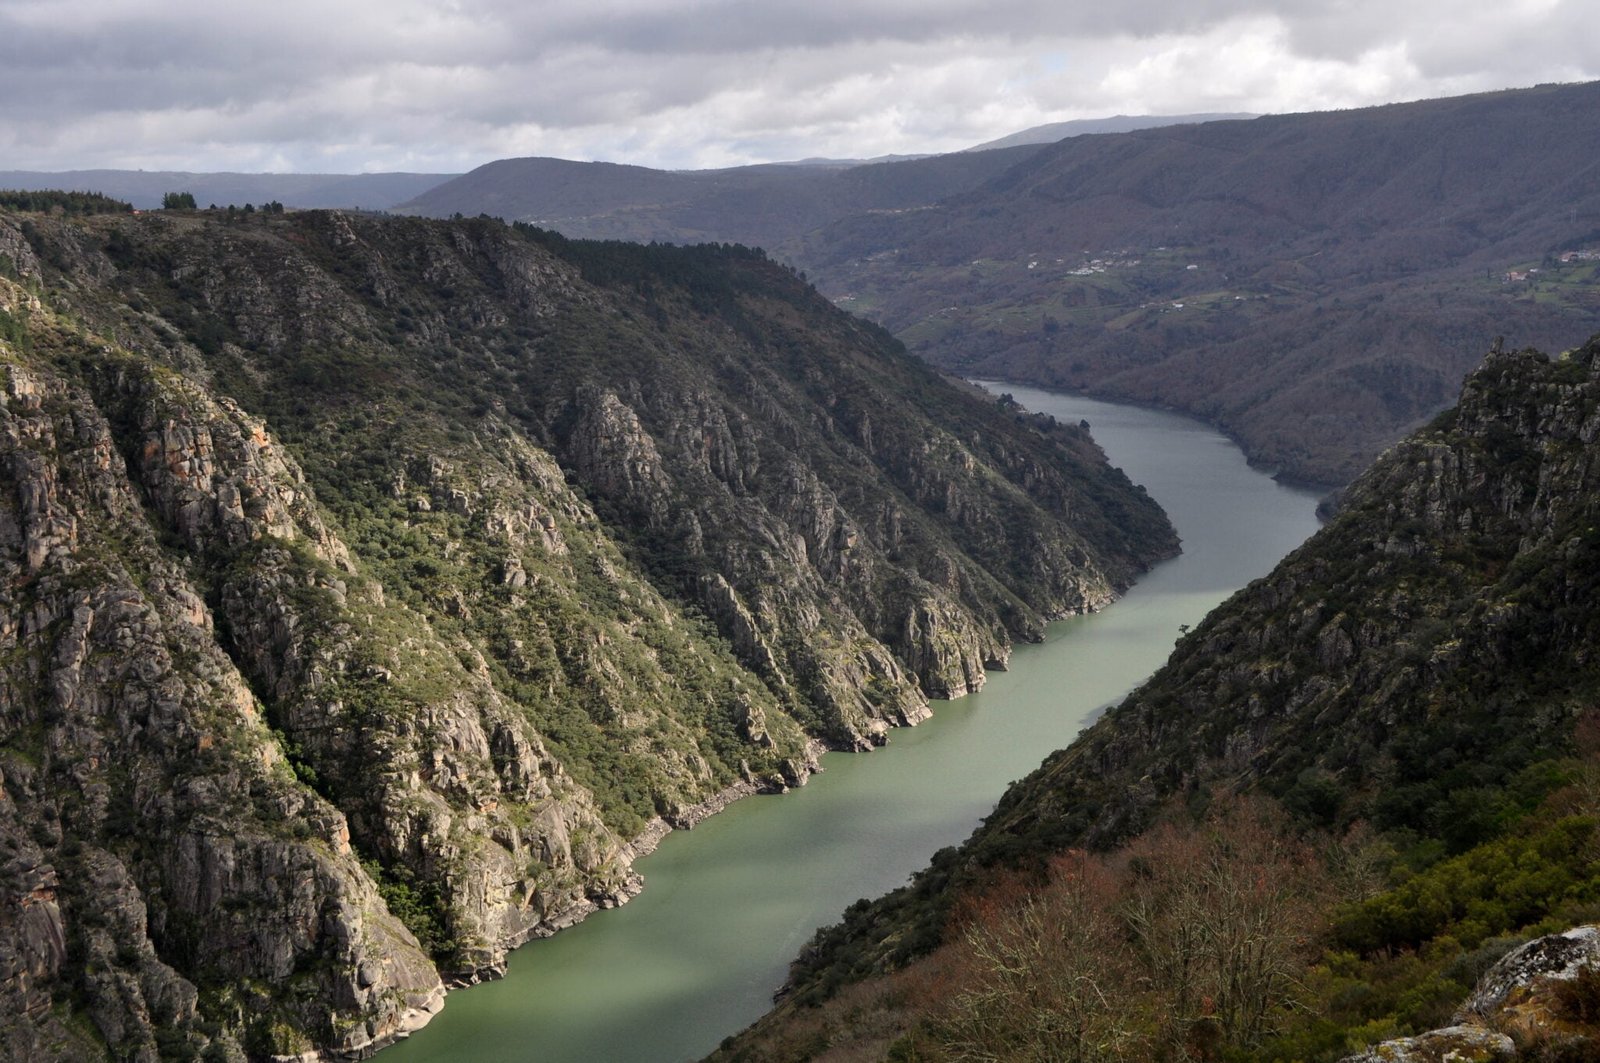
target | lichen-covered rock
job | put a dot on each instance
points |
(1453, 1044)
(1517, 1002)
(1517, 974)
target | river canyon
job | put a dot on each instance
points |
(726, 906)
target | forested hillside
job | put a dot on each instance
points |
(1354, 786)
(377, 589)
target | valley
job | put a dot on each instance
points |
(1396, 726)
(384, 594)
(727, 905)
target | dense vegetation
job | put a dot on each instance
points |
(145, 189)
(45, 200)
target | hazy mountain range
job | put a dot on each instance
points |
(1121, 123)
(1315, 283)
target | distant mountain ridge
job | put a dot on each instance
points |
(144, 188)
(764, 205)
(1121, 123)
(1315, 284)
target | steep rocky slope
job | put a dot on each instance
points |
(1402, 667)
(377, 589)
(1431, 639)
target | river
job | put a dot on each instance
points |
(697, 955)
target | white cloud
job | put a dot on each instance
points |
(1249, 66)
(449, 84)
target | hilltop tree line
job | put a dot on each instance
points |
(186, 201)
(48, 200)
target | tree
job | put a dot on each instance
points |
(1185, 945)
(178, 201)
(1223, 916)
(1050, 975)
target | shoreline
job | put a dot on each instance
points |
(937, 782)
(637, 848)
(1276, 473)
(656, 830)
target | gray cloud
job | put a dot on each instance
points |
(448, 84)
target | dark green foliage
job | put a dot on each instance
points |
(1511, 883)
(1403, 961)
(1316, 797)
(418, 905)
(71, 203)
(13, 331)
(178, 201)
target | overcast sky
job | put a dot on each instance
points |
(445, 85)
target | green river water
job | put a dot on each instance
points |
(698, 954)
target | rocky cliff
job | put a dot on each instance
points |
(376, 590)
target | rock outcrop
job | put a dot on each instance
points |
(1452, 1044)
(139, 760)
(374, 592)
(1539, 995)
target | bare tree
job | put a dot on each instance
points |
(1223, 917)
(1189, 939)
(1051, 979)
